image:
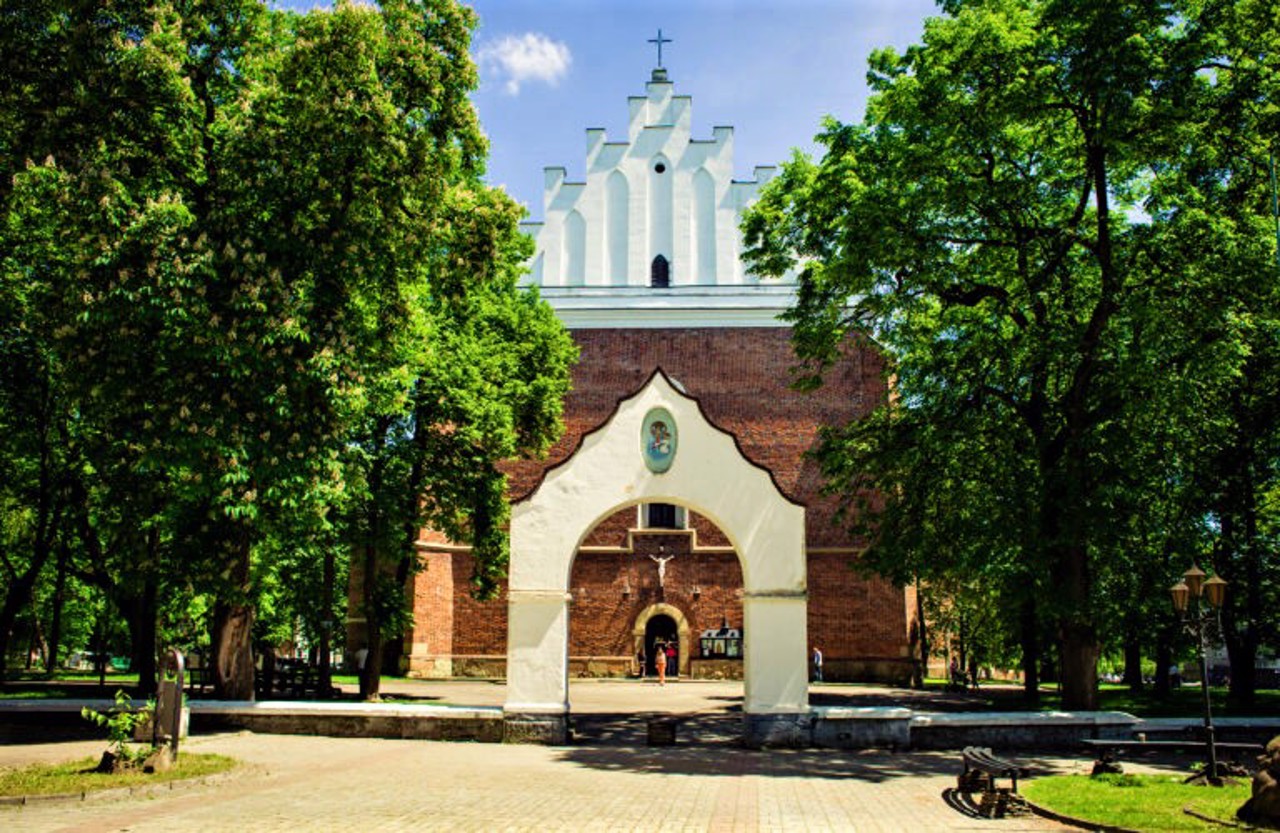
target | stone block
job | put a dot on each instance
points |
(777, 731)
(546, 729)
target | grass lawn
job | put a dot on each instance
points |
(1136, 802)
(78, 776)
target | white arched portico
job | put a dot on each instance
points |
(708, 474)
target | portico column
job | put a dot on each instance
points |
(775, 627)
(537, 707)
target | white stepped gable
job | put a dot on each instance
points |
(659, 194)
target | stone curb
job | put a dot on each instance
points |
(1074, 822)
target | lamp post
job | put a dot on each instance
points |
(1207, 595)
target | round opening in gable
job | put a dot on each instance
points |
(659, 168)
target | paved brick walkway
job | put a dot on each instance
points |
(608, 781)
(306, 783)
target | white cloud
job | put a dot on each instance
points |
(528, 57)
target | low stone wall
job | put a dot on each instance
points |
(34, 721)
(1017, 730)
(350, 720)
(860, 728)
(827, 727)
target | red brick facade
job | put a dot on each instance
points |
(740, 377)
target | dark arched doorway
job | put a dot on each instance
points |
(660, 630)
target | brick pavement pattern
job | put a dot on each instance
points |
(292, 783)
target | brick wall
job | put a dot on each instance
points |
(741, 378)
(852, 616)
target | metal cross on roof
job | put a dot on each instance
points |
(659, 40)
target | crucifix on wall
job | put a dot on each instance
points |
(662, 567)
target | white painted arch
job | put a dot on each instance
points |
(709, 475)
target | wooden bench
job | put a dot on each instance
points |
(293, 679)
(199, 681)
(981, 769)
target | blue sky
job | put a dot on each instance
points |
(769, 68)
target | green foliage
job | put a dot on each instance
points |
(121, 722)
(255, 304)
(1051, 223)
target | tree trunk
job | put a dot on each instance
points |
(923, 632)
(17, 597)
(232, 634)
(232, 651)
(23, 585)
(1164, 661)
(326, 623)
(1241, 614)
(1030, 636)
(36, 644)
(1077, 635)
(371, 673)
(1242, 654)
(140, 614)
(1133, 662)
(393, 643)
(59, 597)
(1244, 675)
(1079, 665)
(1244, 683)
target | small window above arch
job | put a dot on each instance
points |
(660, 273)
(663, 516)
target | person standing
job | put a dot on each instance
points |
(672, 668)
(817, 664)
(660, 662)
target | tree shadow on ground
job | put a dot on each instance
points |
(710, 743)
(724, 755)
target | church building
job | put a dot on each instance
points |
(641, 260)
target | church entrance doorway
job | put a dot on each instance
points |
(659, 633)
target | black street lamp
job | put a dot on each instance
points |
(1199, 617)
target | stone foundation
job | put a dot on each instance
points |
(715, 669)
(619, 667)
(777, 731)
(861, 728)
(547, 729)
(350, 720)
(471, 667)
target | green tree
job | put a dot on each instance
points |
(232, 237)
(486, 381)
(1222, 207)
(988, 222)
(84, 221)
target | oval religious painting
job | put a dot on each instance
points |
(658, 439)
